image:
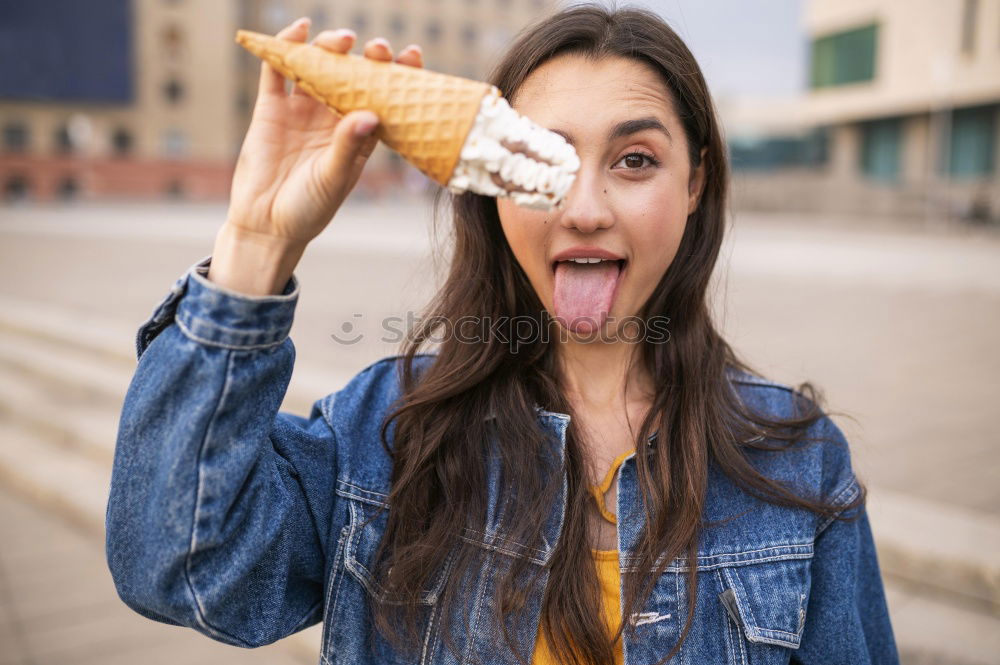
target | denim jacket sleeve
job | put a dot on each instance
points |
(219, 507)
(847, 619)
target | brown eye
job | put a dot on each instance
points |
(634, 161)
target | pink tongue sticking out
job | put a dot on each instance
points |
(584, 294)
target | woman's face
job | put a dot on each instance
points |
(631, 198)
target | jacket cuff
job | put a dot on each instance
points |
(212, 315)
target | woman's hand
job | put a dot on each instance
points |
(298, 163)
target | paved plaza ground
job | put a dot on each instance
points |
(896, 322)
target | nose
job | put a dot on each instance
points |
(587, 205)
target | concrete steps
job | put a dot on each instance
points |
(62, 383)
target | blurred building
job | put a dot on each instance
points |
(151, 98)
(901, 117)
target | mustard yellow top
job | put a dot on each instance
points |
(608, 574)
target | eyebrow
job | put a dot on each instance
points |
(627, 128)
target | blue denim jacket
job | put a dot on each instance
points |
(248, 524)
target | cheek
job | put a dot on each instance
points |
(524, 232)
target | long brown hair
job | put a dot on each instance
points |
(440, 444)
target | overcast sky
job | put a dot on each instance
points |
(744, 47)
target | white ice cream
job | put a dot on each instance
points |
(495, 150)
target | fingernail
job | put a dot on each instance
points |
(413, 47)
(299, 22)
(366, 125)
(382, 41)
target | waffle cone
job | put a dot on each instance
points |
(425, 116)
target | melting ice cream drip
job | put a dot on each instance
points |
(506, 154)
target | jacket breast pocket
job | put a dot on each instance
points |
(766, 606)
(365, 531)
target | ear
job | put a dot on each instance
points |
(697, 183)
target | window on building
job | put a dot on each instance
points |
(973, 143)
(433, 31)
(969, 10)
(469, 34)
(15, 137)
(68, 188)
(173, 42)
(173, 90)
(174, 143)
(881, 144)
(121, 142)
(17, 187)
(844, 57)
(320, 18)
(397, 24)
(63, 140)
(175, 189)
(359, 22)
(276, 15)
(244, 101)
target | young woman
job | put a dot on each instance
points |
(593, 487)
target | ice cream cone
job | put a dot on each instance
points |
(425, 116)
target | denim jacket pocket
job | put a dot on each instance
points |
(767, 600)
(364, 533)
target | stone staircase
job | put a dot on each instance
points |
(62, 383)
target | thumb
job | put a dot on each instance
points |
(353, 142)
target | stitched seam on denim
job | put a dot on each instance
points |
(760, 633)
(222, 345)
(363, 490)
(436, 611)
(200, 275)
(764, 383)
(361, 572)
(427, 634)
(379, 496)
(349, 558)
(433, 627)
(851, 490)
(481, 583)
(486, 539)
(680, 593)
(738, 591)
(336, 597)
(729, 623)
(496, 548)
(778, 632)
(362, 499)
(710, 564)
(740, 640)
(201, 616)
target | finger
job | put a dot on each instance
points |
(378, 49)
(271, 82)
(412, 56)
(337, 41)
(353, 142)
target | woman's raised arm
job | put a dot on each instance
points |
(220, 507)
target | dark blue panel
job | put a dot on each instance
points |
(66, 50)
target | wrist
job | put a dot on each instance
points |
(253, 263)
